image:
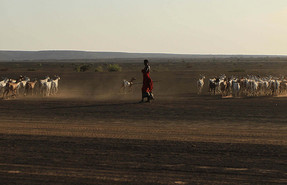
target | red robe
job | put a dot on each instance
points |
(147, 81)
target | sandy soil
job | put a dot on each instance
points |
(91, 133)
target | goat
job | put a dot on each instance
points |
(224, 87)
(11, 87)
(22, 85)
(3, 84)
(200, 84)
(235, 88)
(55, 84)
(127, 84)
(213, 84)
(30, 86)
(47, 88)
(41, 85)
(283, 87)
(274, 86)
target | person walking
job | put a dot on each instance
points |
(147, 86)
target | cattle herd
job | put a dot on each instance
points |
(23, 86)
(250, 85)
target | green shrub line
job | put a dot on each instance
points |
(114, 68)
(83, 67)
(99, 69)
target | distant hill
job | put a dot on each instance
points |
(73, 55)
(65, 55)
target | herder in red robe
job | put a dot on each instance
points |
(147, 83)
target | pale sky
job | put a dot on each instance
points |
(146, 26)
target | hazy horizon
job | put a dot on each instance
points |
(207, 27)
(160, 53)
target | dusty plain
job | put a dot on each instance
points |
(93, 133)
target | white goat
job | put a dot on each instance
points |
(274, 86)
(47, 88)
(22, 85)
(127, 84)
(55, 85)
(235, 88)
(200, 84)
(41, 84)
(3, 84)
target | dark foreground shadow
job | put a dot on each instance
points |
(29, 159)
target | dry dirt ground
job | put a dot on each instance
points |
(91, 133)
